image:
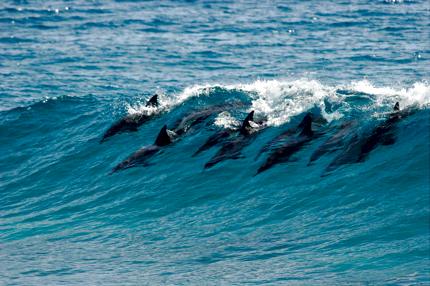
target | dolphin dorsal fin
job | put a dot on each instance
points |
(396, 106)
(306, 125)
(153, 101)
(245, 124)
(163, 137)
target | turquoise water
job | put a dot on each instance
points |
(70, 69)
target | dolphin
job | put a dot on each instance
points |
(131, 122)
(223, 135)
(140, 157)
(232, 148)
(192, 120)
(215, 139)
(166, 137)
(284, 152)
(281, 138)
(335, 142)
(196, 118)
(359, 147)
(248, 126)
(381, 134)
(349, 155)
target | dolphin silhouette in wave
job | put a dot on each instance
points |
(335, 142)
(131, 122)
(359, 147)
(287, 134)
(232, 149)
(223, 135)
(140, 157)
(213, 140)
(165, 137)
(283, 153)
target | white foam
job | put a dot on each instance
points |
(280, 100)
(193, 91)
(141, 108)
(167, 102)
(416, 95)
(225, 120)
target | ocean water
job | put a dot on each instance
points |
(70, 69)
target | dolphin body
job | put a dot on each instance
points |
(382, 134)
(213, 140)
(358, 148)
(284, 136)
(223, 135)
(141, 156)
(284, 152)
(335, 142)
(131, 122)
(232, 149)
(194, 119)
(166, 137)
(276, 141)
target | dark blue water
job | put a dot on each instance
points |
(69, 69)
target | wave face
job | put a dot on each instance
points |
(70, 70)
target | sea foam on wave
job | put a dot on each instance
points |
(280, 100)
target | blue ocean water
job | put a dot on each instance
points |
(70, 69)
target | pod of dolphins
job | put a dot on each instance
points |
(352, 146)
